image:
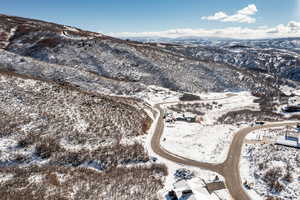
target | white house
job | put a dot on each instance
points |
(294, 100)
(292, 140)
(181, 187)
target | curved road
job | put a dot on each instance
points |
(229, 169)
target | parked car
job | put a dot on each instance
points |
(153, 159)
(259, 123)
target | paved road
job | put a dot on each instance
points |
(229, 169)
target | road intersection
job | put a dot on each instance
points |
(229, 169)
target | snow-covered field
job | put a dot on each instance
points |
(196, 183)
(222, 103)
(206, 141)
(269, 169)
(290, 90)
(155, 94)
(209, 141)
(199, 142)
(233, 102)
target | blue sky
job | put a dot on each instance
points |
(116, 16)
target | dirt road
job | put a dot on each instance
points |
(229, 169)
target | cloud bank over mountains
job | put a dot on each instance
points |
(241, 16)
(291, 29)
(245, 15)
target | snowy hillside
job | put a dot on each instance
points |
(126, 61)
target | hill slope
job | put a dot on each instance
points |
(131, 63)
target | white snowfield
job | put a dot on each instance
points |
(156, 94)
(199, 142)
(206, 141)
(289, 90)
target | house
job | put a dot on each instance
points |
(172, 195)
(186, 117)
(189, 117)
(168, 114)
(290, 139)
(183, 190)
(179, 117)
(169, 117)
(290, 109)
(295, 100)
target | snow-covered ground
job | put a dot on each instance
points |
(222, 103)
(196, 184)
(155, 94)
(233, 102)
(290, 90)
(270, 133)
(259, 160)
(206, 141)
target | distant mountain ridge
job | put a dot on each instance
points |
(284, 43)
(278, 56)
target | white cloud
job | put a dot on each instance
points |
(291, 29)
(249, 10)
(240, 19)
(216, 16)
(241, 16)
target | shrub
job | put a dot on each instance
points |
(271, 177)
(49, 42)
(21, 158)
(248, 116)
(46, 148)
(52, 179)
(288, 177)
(189, 97)
(277, 187)
(273, 198)
(71, 158)
(160, 168)
(23, 143)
